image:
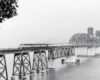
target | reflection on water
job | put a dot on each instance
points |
(47, 75)
(51, 75)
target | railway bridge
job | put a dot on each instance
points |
(21, 62)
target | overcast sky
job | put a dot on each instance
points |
(49, 21)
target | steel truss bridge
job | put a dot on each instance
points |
(22, 64)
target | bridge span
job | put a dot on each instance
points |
(21, 61)
(36, 47)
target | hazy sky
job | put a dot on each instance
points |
(49, 21)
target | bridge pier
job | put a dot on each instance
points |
(71, 54)
(60, 52)
(51, 54)
(51, 58)
(3, 68)
(91, 51)
(40, 60)
(63, 52)
(64, 55)
(21, 65)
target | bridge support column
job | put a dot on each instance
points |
(21, 65)
(59, 53)
(63, 52)
(50, 54)
(71, 54)
(91, 51)
(3, 68)
(40, 60)
(51, 61)
(63, 55)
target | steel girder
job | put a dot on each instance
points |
(3, 68)
(40, 60)
(80, 38)
(51, 54)
(60, 52)
(21, 64)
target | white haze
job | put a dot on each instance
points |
(49, 21)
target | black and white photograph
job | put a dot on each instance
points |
(49, 39)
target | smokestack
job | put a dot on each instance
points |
(90, 31)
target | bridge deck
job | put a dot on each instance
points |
(35, 47)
